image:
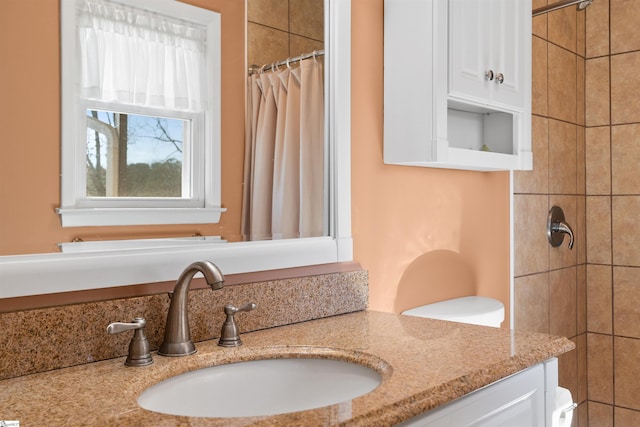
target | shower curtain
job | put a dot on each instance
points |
(284, 191)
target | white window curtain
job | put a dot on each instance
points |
(136, 57)
(284, 154)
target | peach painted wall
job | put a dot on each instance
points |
(30, 119)
(423, 234)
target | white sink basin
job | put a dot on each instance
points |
(260, 387)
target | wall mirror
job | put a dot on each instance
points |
(42, 273)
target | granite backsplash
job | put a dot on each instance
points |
(56, 337)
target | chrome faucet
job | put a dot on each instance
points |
(177, 335)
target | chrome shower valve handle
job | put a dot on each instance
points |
(557, 228)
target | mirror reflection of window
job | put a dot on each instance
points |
(130, 155)
(133, 59)
(141, 125)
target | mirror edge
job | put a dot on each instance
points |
(26, 275)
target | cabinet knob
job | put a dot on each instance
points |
(489, 75)
(500, 78)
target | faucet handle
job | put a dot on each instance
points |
(230, 309)
(139, 354)
(230, 334)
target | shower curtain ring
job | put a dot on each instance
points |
(288, 65)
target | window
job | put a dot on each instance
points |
(140, 113)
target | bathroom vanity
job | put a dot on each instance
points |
(435, 370)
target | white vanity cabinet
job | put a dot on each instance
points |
(457, 84)
(526, 399)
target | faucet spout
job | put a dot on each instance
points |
(177, 335)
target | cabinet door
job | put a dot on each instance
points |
(469, 50)
(509, 52)
(488, 37)
(517, 401)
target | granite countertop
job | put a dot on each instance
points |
(424, 363)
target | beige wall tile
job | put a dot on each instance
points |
(625, 88)
(627, 372)
(626, 303)
(600, 415)
(301, 45)
(539, 82)
(531, 294)
(568, 371)
(599, 369)
(539, 24)
(625, 159)
(562, 157)
(597, 92)
(580, 90)
(625, 19)
(562, 84)
(536, 181)
(599, 299)
(279, 29)
(582, 412)
(626, 230)
(581, 348)
(581, 33)
(562, 302)
(307, 18)
(270, 13)
(581, 299)
(562, 27)
(597, 28)
(581, 166)
(626, 417)
(562, 256)
(580, 230)
(266, 45)
(599, 229)
(530, 241)
(598, 160)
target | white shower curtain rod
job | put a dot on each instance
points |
(268, 67)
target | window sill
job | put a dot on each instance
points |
(116, 245)
(87, 217)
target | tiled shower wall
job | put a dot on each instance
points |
(550, 283)
(589, 164)
(279, 29)
(613, 212)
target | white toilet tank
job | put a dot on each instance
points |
(474, 310)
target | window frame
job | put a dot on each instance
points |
(192, 173)
(204, 204)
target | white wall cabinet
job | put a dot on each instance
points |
(526, 399)
(457, 84)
